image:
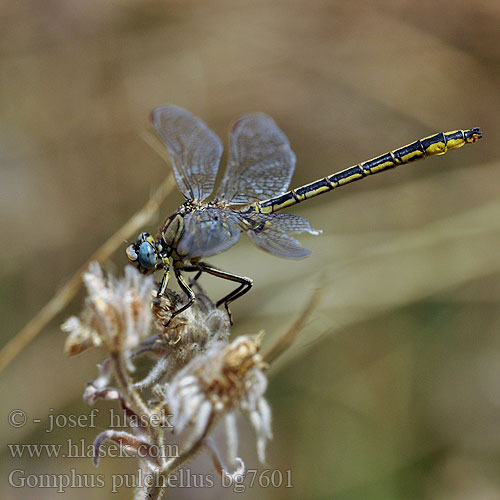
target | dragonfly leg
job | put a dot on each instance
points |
(244, 287)
(164, 283)
(192, 269)
(161, 291)
(186, 289)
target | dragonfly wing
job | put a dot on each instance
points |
(268, 231)
(208, 232)
(289, 222)
(194, 149)
(261, 162)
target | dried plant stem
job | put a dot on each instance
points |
(288, 338)
(160, 477)
(55, 305)
(127, 387)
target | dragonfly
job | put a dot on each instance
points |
(253, 188)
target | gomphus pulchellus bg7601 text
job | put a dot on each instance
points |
(254, 187)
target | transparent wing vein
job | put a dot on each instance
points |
(261, 162)
(268, 231)
(194, 149)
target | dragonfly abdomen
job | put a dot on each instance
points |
(436, 144)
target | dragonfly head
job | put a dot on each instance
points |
(143, 254)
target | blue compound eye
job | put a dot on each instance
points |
(147, 255)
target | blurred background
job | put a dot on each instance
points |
(393, 390)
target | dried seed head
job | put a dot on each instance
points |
(224, 379)
(190, 332)
(81, 337)
(116, 314)
(242, 354)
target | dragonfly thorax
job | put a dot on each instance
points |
(198, 231)
(171, 232)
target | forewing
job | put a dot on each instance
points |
(261, 163)
(194, 149)
(269, 233)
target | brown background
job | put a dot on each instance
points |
(393, 391)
